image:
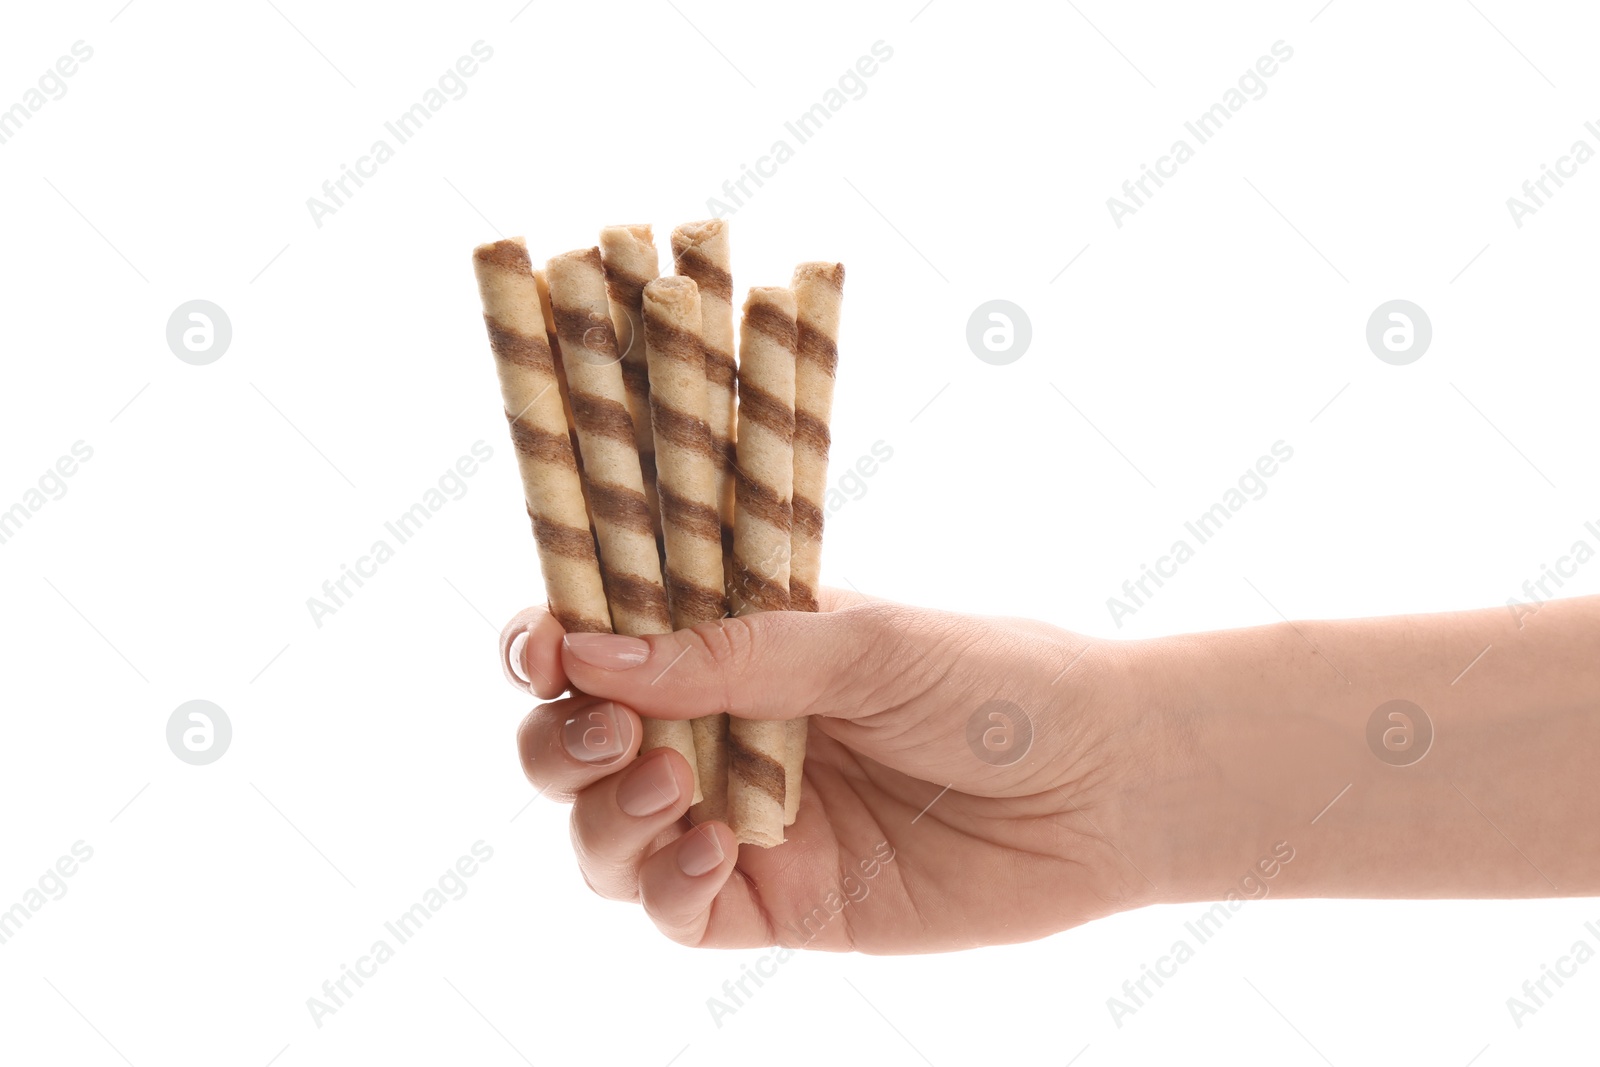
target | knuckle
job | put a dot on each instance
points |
(601, 873)
(896, 652)
(882, 634)
(879, 622)
(727, 646)
(688, 931)
(688, 937)
(528, 741)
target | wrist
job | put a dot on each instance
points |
(1220, 744)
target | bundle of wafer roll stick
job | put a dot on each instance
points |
(659, 501)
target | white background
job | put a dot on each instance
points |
(370, 753)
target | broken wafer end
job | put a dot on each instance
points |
(671, 291)
(828, 273)
(631, 232)
(509, 252)
(697, 233)
(777, 297)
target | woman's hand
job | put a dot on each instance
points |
(959, 775)
(974, 781)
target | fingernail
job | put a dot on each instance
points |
(597, 733)
(519, 643)
(648, 788)
(609, 652)
(699, 852)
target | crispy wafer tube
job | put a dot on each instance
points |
(561, 378)
(700, 252)
(539, 434)
(628, 560)
(818, 288)
(628, 257)
(690, 521)
(761, 534)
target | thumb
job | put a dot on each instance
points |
(775, 665)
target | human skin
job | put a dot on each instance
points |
(1159, 771)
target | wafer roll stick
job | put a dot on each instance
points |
(628, 257)
(761, 544)
(545, 458)
(818, 288)
(628, 555)
(691, 523)
(555, 350)
(700, 252)
(561, 377)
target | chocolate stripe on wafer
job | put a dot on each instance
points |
(541, 444)
(773, 322)
(818, 290)
(636, 593)
(761, 544)
(628, 552)
(818, 348)
(509, 345)
(757, 407)
(810, 432)
(567, 541)
(762, 501)
(685, 431)
(691, 519)
(629, 260)
(532, 399)
(703, 263)
(603, 416)
(720, 369)
(807, 520)
(757, 591)
(763, 772)
(622, 508)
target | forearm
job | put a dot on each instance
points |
(1270, 744)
